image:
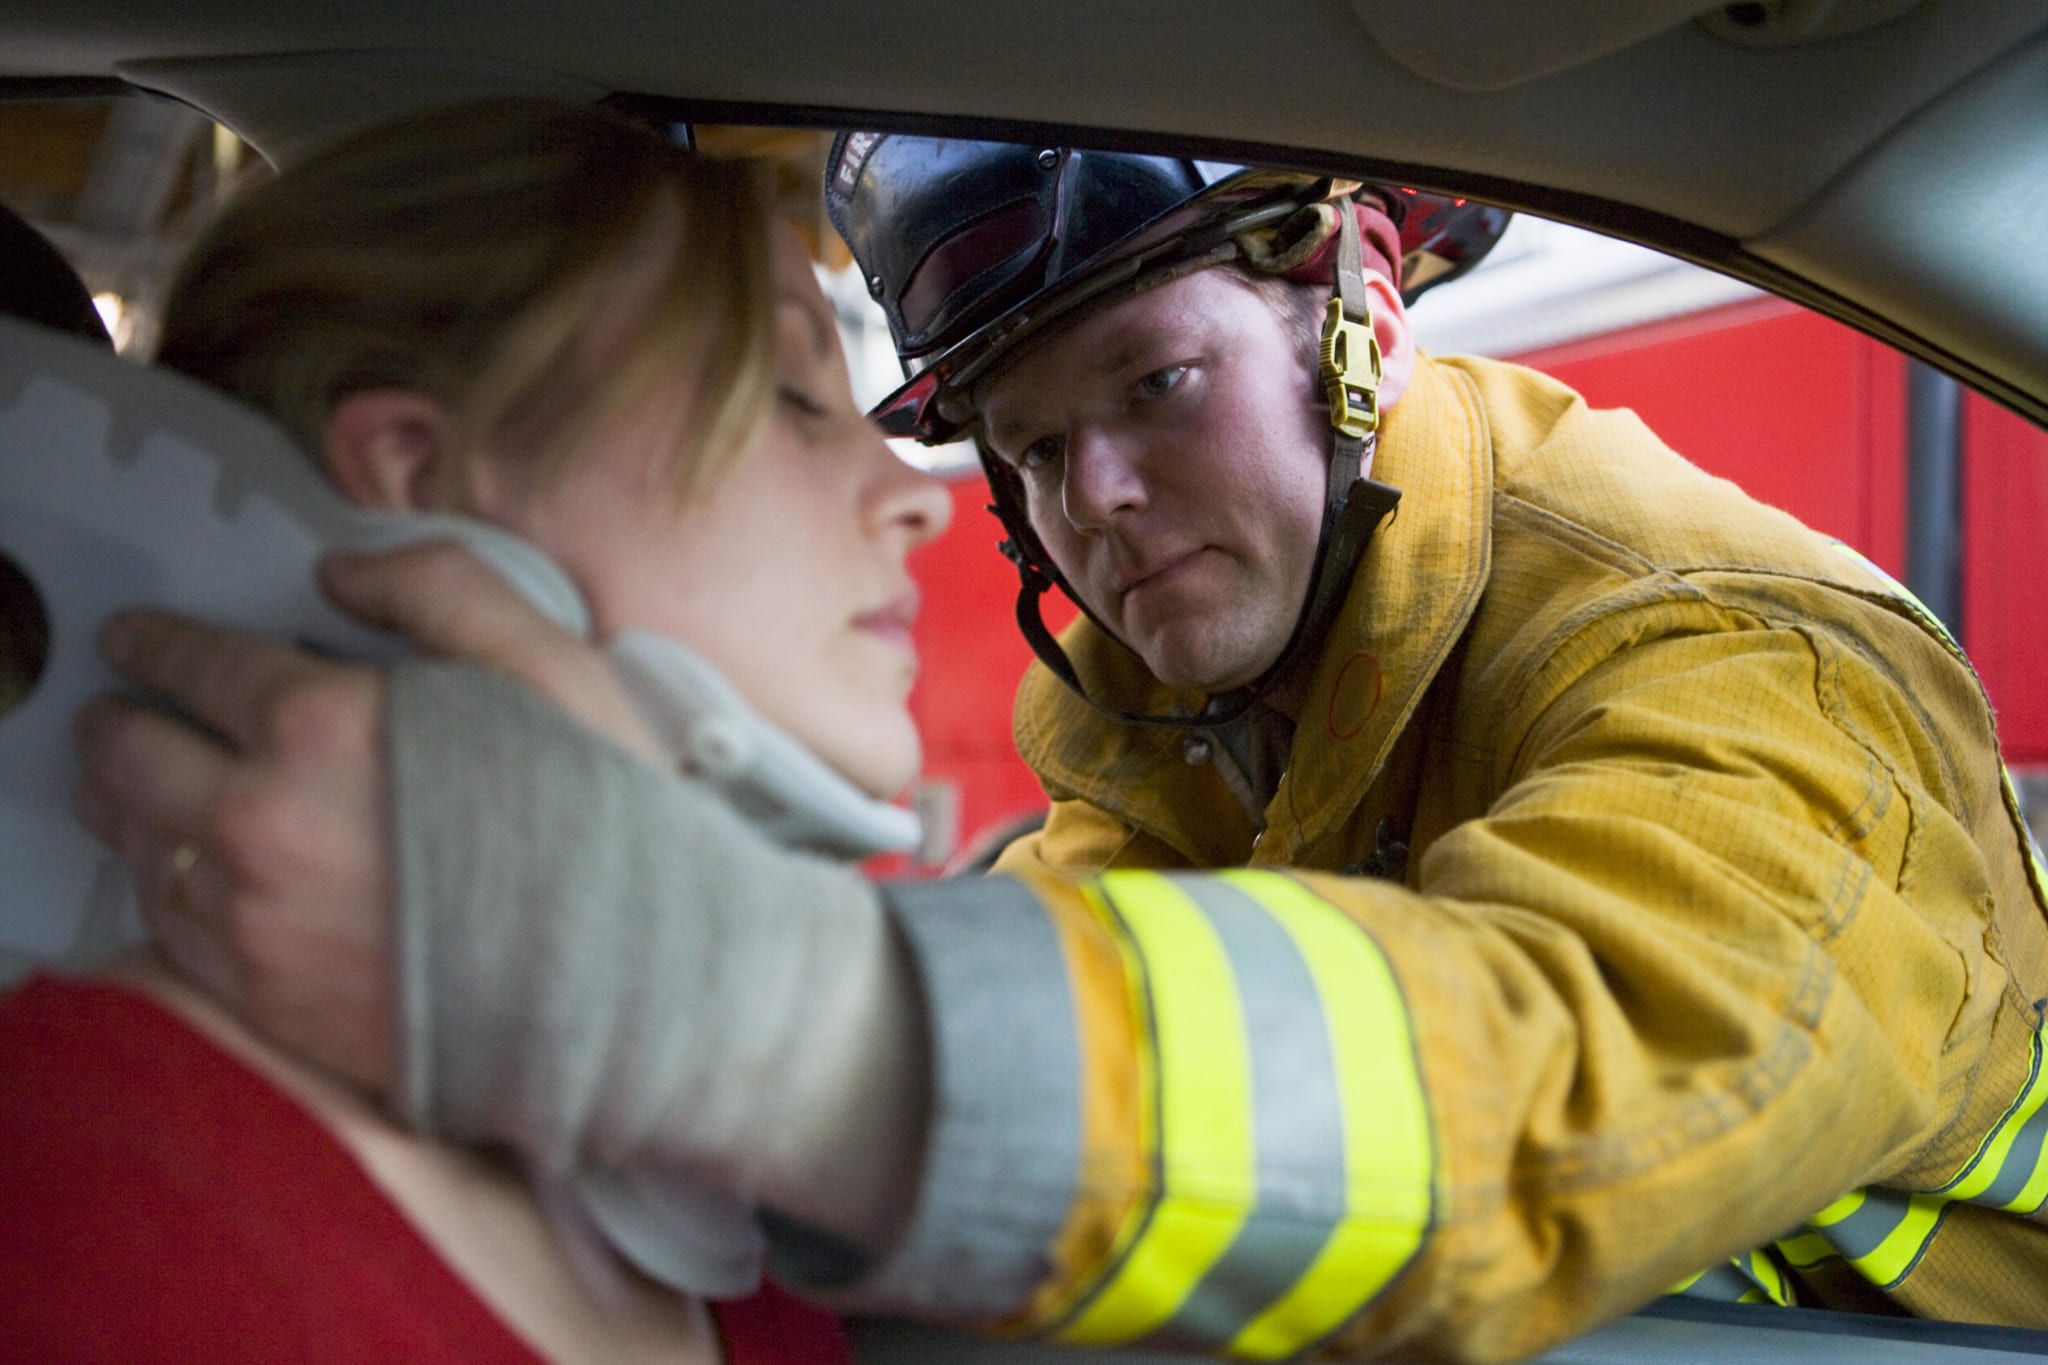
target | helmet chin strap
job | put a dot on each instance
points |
(1353, 508)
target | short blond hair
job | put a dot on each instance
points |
(469, 254)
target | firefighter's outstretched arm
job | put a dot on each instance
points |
(611, 970)
(1244, 1112)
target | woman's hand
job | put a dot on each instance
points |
(257, 818)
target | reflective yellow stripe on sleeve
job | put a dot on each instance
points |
(1389, 1151)
(1201, 1085)
(1883, 1233)
(1293, 1151)
(1754, 1277)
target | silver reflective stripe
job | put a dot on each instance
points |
(1292, 1132)
(1297, 1125)
(1883, 1233)
(2020, 1165)
(1865, 1230)
(1723, 1283)
(1003, 1148)
(1755, 1277)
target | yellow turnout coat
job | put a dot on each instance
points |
(1703, 927)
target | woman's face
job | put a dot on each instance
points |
(788, 573)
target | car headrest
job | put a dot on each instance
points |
(37, 284)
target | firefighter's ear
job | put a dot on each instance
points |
(1397, 342)
(385, 449)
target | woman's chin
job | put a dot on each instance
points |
(885, 780)
(881, 757)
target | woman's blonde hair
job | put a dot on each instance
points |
(474, 255)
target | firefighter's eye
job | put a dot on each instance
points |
(1161, 382)
(1039, 453)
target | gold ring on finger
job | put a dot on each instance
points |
(184, 858)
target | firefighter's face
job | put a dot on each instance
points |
(1172, 450)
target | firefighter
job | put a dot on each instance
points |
(1497, 873)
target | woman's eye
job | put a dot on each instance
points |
(1161, 382)
(796, 399)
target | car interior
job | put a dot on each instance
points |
(1882, 162)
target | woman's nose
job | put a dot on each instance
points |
(908, 497)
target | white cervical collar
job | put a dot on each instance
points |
(716, 737)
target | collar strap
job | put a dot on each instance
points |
(1348, 356)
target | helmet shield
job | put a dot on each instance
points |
(950, 232)
(970, 247)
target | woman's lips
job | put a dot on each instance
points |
(895, 621)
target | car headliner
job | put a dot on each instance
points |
(1886, 160)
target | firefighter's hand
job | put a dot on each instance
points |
(257, 820)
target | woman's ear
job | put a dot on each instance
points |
(386, 449)
(1397, 342)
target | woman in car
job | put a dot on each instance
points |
(552, 320)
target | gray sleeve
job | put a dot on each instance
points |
(1002, 1148)
(605, 967)
(600, 963)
